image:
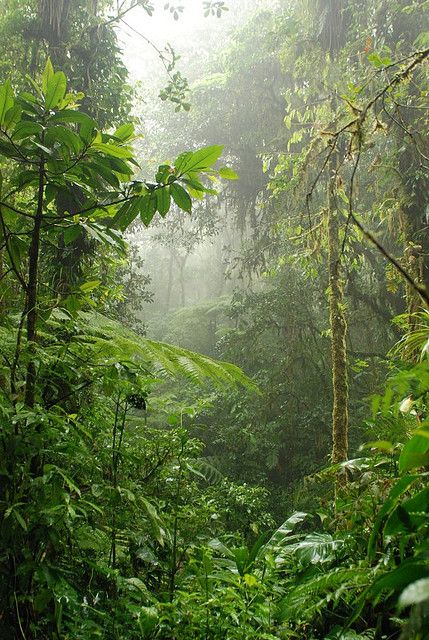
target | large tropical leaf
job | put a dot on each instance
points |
(309, 598)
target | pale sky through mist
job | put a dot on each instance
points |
(161, 28)
(183, 34)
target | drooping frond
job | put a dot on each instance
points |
(111, 342)
(209, 473)
(416, 337)
(281, 536)
(314, 549)
(310, 597)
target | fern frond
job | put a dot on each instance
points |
(111, 342)
(415, 340)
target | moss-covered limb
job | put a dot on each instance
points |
(338, 327)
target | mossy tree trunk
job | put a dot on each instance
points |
(414, 226)
(338, 328)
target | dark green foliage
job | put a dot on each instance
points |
(74, 379)
(149, 491)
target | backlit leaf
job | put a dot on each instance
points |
(6, 100)
(181, 197)
(56, 90)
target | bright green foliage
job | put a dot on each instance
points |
(84, 479)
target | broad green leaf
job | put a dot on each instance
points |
(127, 213)
(104, 170)
(12, 117)
(20, 519)
(316, 548)
(90, 285)
(280, 536)
(70, 115)
(193, 182)
(199, 160)
(377, 61)
(25, 178)
(196, 186)
(415, 453)
(147, 208)
(17, 248)
(154, 518)
(43, 147)
(182, 160)
(64, 136)
(241, 557)
(118, 165)
(381, 445)
(42, 599)
(7, 149)
(389, 504)
(26, 129)
(424, 432)
(71, 233)
(197, 195)
(37, 88)
(125, 132)
(181, 197)
(163, 200)
(219, 546)
(104, 235)
(6, 100)
(51, 191)
(56, 90)
(49, 470)
(47, 75)
(112, 150)
(250, 580)
(29, 104)
(410, 515)
(396, 580)
(164, 173)
(227, 173)
(147, 619)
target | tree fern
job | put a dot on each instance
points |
(110, 342)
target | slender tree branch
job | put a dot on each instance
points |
(9, 253)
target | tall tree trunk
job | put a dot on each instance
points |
(330, 17)
(413, 219)
(169, 281)
(338, 326)
(181, 263)
(182, 281)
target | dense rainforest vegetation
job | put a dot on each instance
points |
(214, 329)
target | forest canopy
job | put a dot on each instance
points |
(214, 329)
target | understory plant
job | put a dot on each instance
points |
(74, 492)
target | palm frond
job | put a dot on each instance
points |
(309, 598)
(315, 549)
(415, 339)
